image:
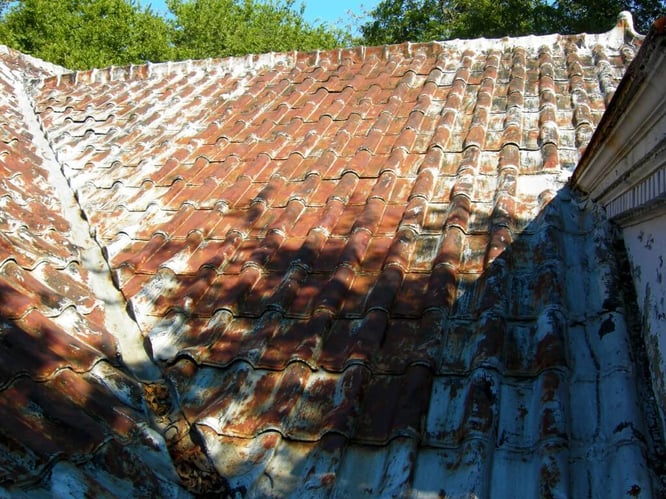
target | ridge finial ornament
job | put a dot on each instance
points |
(625, 21)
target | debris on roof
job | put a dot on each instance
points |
(355, 272)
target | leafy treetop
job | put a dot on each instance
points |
(80, 34)
(86, 33)
(396, 21)
(219, 28)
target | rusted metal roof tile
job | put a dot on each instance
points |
(332, 466)
(303, 404)
(359, 272)
(62, 428)
(21, 359)
(66, 398)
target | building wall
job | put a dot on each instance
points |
(646, 246)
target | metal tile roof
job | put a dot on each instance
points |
(70, 409)
(357, 272)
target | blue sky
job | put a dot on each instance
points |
(336, 12)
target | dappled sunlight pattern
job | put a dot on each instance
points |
(361, 272)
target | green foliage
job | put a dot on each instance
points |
(396, 21)
(219, 28)
(81, 34)
(498, 18)
(86, 33)
(568, 16)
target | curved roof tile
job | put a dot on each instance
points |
(355, 272)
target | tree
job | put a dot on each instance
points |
(569, 16)
(220, 28)
(82, 34)
(396, 21)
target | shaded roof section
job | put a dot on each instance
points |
(359, 272)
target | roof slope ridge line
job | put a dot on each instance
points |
(34, 61)
(117, 319)
(235, 65)
(239, 65)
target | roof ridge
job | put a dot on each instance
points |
(38, 63)
(620, 34)
(236, 65)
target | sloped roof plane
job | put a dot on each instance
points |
(356, 272)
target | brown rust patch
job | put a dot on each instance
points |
(196, 472)
(634, 491)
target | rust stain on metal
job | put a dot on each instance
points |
(357, 272)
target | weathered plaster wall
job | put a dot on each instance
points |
(646, 245)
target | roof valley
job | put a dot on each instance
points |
(98, 272)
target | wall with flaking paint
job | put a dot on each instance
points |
(646, 245)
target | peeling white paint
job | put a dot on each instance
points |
(164, 336)
(117, 383)
(613, 39)
(646, 246)
(240, 89)
(534, 185)
(117, 320)
(180, 261)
